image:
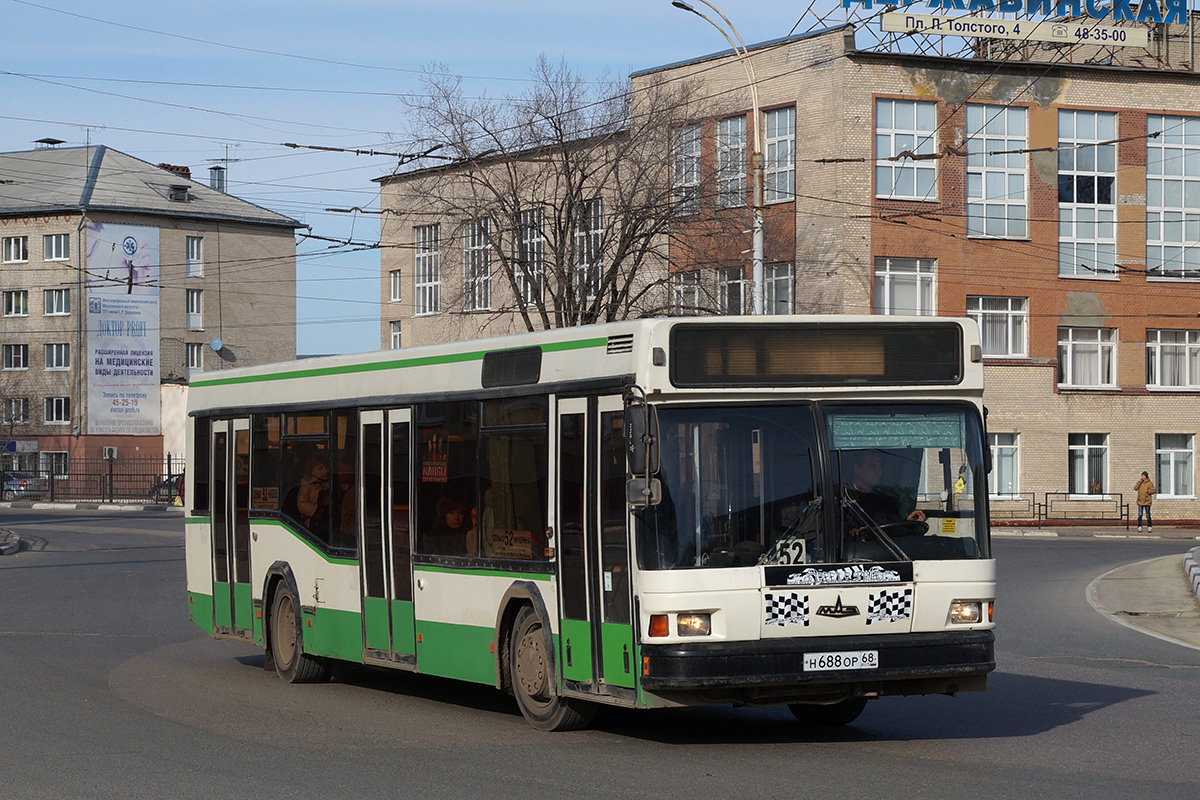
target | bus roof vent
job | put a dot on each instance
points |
(620, 344)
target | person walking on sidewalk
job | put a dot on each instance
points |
(1145, 496)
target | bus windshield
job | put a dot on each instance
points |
(746, 485)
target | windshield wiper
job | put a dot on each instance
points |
(871, 525)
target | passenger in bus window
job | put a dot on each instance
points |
(448, 536)
(312, 500)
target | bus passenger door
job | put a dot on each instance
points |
(388, 631)
(230, 503)
(596, 635)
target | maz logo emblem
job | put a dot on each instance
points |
(837, 610)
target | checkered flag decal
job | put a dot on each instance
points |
(890, 605)
(787, 608)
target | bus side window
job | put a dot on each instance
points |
(446, 464)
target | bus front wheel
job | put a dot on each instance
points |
(533, 680)
(829, 715)
(287, 641)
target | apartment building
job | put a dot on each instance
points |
(121, 280)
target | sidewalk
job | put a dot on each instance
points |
(1160, 597)
(89, 505)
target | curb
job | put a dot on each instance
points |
(89, 506)
(1050, 533)
(1191, 568)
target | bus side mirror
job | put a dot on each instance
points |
(643, 492)
(641, 439)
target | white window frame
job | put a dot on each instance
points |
(194, 309)
(58, 411)
(686, 173)
(731, 162)
(779, 288)
(56, 247)
(1006, 450)
(733, 290)
(686, 292)
(395, 336)
(589, 244)
(16, 411)
(1175, 472)
(779, 155)
(1087, 173)
(54, 462)
(57, 302)
(58, 356)
(1076, 346)
(997, 172)
(16, 357)
(396, 285)
(1009, 315)
(1172, 177)
(1172, 352)
(529, 256)
(16, 303)
(905, 126)
(1089, 451)
(16, 249)
(477, 265)
(895, 274)
(193, 256)
(427, 269)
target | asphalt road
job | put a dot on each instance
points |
(108, 691)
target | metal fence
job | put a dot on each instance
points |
(98, 480)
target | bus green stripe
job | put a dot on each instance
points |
(400, 363)
(495, 573)
(343, 562)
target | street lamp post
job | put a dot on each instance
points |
(739, 49)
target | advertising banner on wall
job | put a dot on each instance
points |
(123, 334)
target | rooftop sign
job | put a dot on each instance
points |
(1171, 11)
(1022, 29)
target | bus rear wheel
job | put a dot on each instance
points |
(287, 641)
(533, 680)
(829, 715)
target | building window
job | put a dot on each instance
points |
(58, 356)
(395, 330)
(1002, 480)
(1173, 359)
(589, 242)
(778, 288)
(530, 255)
(732, 290)
(779, 156)
(16, 356)
(1173, 197)
(1087, 357)
(58, 302)
(16, 249)
(16, 411)
(477, 265)
(686, 182)
(1087, 468)
(54, 462)
(731, 162)
(193, 256)
(1173, 456)
(996, 172)
(195, 357)
(1003, 322)
(56, 247)
(1087, 197)
(904, 286)
(58, 410)
(685, 293)
(195, 309)
(16, 303)
(905, 126)
(427, 270)
(396, 282)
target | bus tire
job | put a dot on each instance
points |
(533, 680)
(287, 641)
(829, 715)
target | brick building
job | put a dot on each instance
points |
(101, 250)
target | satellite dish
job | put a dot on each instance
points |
(217, 344)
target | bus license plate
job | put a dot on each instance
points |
(853, 659)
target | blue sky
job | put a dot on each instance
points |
(189, 83)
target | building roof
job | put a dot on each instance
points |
(750, 48)
(102, 179)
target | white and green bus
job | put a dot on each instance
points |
(654, 513)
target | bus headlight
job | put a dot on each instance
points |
(694, 624)
(966, 612)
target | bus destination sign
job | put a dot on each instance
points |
(1023, 29)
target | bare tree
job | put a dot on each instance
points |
(564, 195)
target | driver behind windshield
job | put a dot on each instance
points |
(884, 508)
